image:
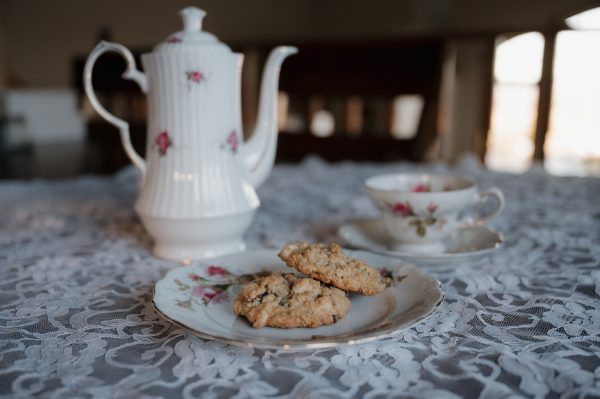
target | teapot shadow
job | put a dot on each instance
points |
(129, 229)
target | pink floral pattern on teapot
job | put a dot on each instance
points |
(195, 76)
(231, 142)
(163, 142)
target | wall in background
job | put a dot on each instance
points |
(39, 39)
(3, 51)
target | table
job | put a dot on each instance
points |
(76, 281)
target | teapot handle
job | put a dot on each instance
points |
(130, 73)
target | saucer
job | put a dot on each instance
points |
(199, 297)
(465, 243)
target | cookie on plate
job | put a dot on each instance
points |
(327, 263)
(285, 300)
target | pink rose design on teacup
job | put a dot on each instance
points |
(420, 211)
(402, 208)
(421, 188)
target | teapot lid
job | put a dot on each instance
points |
(192, 37)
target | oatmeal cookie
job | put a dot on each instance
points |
(328, 264)
(285, 300)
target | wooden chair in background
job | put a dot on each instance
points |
(354, 86)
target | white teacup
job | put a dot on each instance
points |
(421, 210)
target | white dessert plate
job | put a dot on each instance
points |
(467, 242)
(200, 298)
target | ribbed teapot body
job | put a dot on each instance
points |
(194, 137)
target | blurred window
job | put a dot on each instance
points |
(517, 72)
(586, 20)
(573, 140)
(322, 124)
(406, 116)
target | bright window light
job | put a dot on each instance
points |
(406, 116)
(283, 101)
(519, 59)
(587, 20)
(323, 124)
(518, 67)
(510, 144)
(573, 141)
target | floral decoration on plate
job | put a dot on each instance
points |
(214, 283)
(199, 297)
(210, 286)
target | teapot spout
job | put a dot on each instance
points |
(259, 151)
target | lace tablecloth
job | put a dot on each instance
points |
(76, 281)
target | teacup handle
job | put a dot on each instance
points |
(130, 73)
(499, 196)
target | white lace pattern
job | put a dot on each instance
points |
(76, 282)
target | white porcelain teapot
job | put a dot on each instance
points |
(197, 193)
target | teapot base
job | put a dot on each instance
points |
(186, 253)
(184, 240)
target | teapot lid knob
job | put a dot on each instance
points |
(192, 18)
(192, 37)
